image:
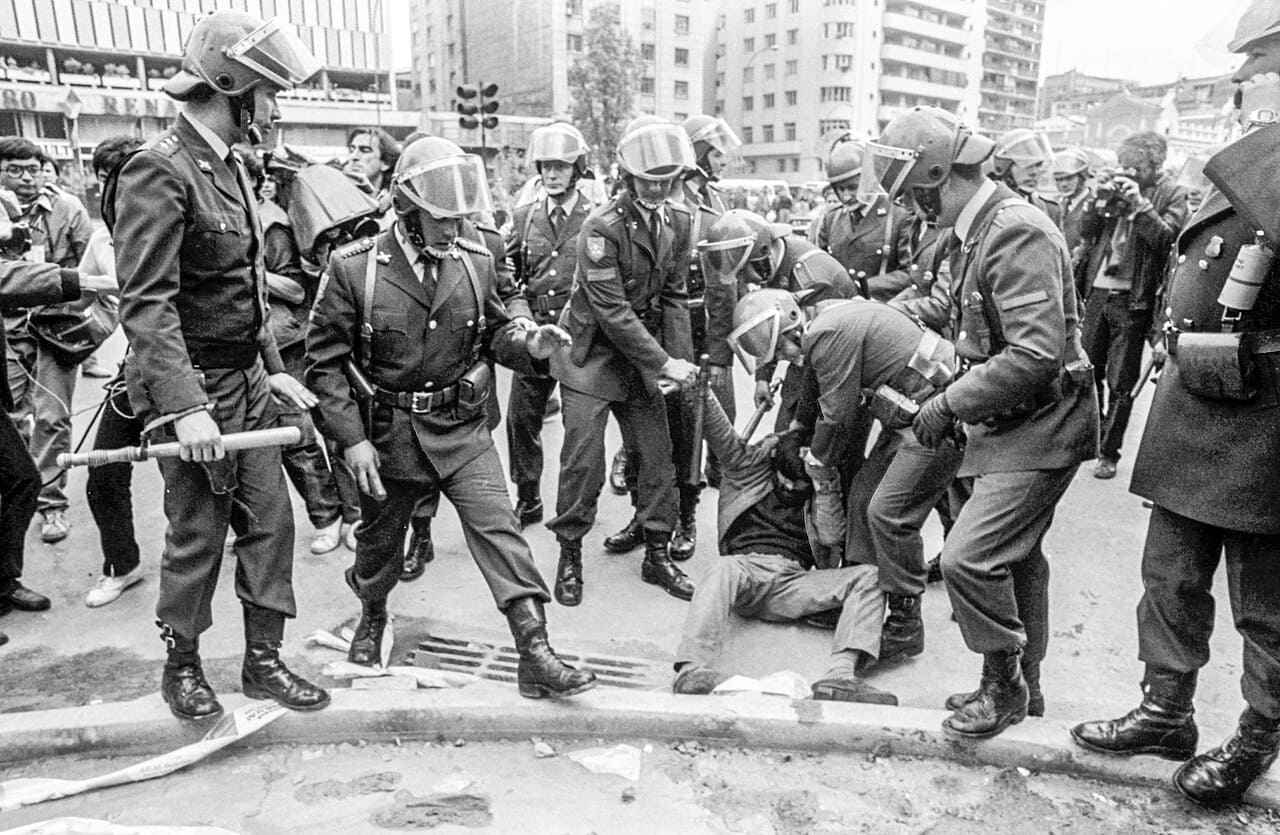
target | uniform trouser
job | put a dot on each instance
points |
(771, 587)
(526, 410)
(1114, 337)
(680, 423)
(109, 488)
(888, 502)
(479, 494)
(995, 569)
(582, 463)
(1175, 615)
(306, 464)
(47, 399)
(246, 490)
(19, 485)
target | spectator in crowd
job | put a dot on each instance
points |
(371, 158)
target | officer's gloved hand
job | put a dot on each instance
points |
(681, 372)
(764, 395)
(545, 340)
(828, 502)
(935, 421)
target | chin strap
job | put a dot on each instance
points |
(242, 113)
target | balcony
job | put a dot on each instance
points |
(916, 26)
(895, 84)
(907, 55)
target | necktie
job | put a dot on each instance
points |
(557, 221)
(428, 275)
(655, 228)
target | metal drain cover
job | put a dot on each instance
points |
(498, 663)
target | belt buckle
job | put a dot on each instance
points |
(420, 402)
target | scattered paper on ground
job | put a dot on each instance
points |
(230, 728)
(784, 683)
(426, 677)
(89, 826)
(342, 641)
(623, 760)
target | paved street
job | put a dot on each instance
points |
(74, 655)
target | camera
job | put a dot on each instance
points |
(15, 240)
(1110, 198)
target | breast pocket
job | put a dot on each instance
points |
(390, 336)
(218, 240)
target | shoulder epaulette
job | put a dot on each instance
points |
(680, 207)
(472, 246)
(355, 248)
(1052, 200)
(166, 144)
(611, 213)
(486, 227)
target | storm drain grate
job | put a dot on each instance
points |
(498, 663)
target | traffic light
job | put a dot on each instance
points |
(477, 106)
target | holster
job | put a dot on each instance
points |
(891, 407)
(1216, 366)
(474, 388)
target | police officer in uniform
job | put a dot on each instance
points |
(409, 321)
(1210, 456)
(1071, 173)
(869, 234)
(1025, 400)
(629, 319)
(543, 248)
(189, 256)
(1021, 158)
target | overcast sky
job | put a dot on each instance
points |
(1150, 41)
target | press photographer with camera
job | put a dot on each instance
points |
(1125, 237)
(24, 284)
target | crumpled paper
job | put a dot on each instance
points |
(622, 760)
(786, 683)
(426, 677)
(342, 641)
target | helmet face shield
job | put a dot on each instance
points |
(656, 152)
(718, 135)
(722, 260)
(885, 170)
(276, 54)
(756, 339)
(453, 186)
(556, 143)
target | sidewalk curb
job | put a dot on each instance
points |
(488, 711)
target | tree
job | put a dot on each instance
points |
(602, 81)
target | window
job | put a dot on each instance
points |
(682, 89)
(835, 94)
(790, 98)
(771, 10)
(679, 117)
(789, 131)
(748, 44)
(646, 85)
(748, 15)
(682, 24)
(793, 6)
(575, 43)
(793, 37)
(767, 133)
(770, 41)
(647, 52)
(682, 57)
(748, 75)
(573, 8)
(10, 124)
(51, 126)
(748, 135)
(768, 100)
(837, 30)
(719, 108)
(795, 163)
(782, 165)
(769, 71)
(826, 125)
(720, 79)
(791, 67)
(748, 103)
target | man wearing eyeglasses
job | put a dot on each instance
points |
(41, 380)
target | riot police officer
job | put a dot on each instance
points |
(1210, 454)
(424, 301)
(629, 319)
(1021, 158)
(189, 256)
(543, 248)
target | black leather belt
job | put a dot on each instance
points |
(225, 355)
(418, 402)
(547, 303)
(1258, 342)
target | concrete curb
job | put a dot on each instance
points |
(488, 710)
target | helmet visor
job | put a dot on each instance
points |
(454, 186)
(1029, 151)
(551, 145)
(756, 339)
(656, 152)
(885, 170)
(718, 135)
(722, 260)
(276, 54)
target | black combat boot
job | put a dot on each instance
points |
(528, 504)
(1224, 774)
(1000, 701)
(366, 646)
(684, 540)
(264, 675)
(628, 539)
(618, 481)
(183, 684)
(658, 568)
(1035, 698)
(902, 635)
(420, 552)
(541, 673)
(569, 572)
(1164, 724)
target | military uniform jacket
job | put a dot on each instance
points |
(869, 240)
(422, 342)
(1052, 208)
(705, 206)
(24, 284)
(1025, 281)
(623, 274)
(188, 245)
(803, 267)
(1073, 212)
(544, 262)
(1215, 461)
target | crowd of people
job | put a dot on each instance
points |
(954, 341)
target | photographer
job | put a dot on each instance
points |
(24, 284)
(1125, 238)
